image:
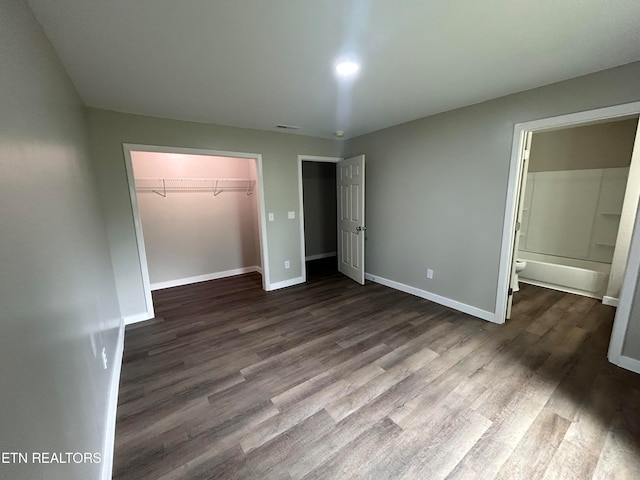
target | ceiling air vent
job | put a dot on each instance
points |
(288, 127)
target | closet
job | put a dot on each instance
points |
(199, 216)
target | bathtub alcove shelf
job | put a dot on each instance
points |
(163, 186)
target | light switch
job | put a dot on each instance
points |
(271, 217)
(291, 215)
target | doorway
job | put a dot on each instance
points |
(350, 214)
(203, 213)
(511, 228)
(570, 208)
(318, 216)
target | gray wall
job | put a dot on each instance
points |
(436, 187)
(109, 130)
(320, 209)
(604, 145)
(59, 306)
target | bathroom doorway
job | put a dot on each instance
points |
(511, 227)
(571, 208)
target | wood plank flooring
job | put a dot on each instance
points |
(331, 380)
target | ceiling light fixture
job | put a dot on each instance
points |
(347, 68)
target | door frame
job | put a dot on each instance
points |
(506, 251)
(307, 158)
(625, 302)
(142, 254)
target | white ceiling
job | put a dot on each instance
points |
(266, 62)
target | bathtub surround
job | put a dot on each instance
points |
(582, 277)
(574, 213)
(569, 226)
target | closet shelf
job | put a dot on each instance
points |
(162, 186)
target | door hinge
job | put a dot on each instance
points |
(518, 225)
(510, 291)
(526, 154)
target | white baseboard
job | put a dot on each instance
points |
(285, 283)
(110, 432)
(611, 301)
(203, 278)
(320, 256)
(259, 270)
(627, 363)
(447, 302)
(139, 317)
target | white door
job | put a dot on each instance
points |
(351, 228)
(516, 237)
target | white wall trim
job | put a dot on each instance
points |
(611, 301)
(262, 210)
(142, 253)
(320, 256)
(139, 317)
(259, 269)
(447, 302)
(287, 283)
(110, 431)
(625, 301)
(306, 158)
(132, 147)
(517, 148)
(316, 158)
(202, 278)
(629, 363)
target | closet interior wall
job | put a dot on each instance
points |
(197, 235)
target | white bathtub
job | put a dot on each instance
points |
(583, 277)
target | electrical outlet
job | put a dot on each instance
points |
(287, 264)
(105, 361)
(429, 273)
(271, 217)
(291, 215)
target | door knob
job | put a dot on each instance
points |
(359, 229)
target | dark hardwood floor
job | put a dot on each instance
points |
(336, 381)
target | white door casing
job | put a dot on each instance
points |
(516, 237)
(351, 228)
